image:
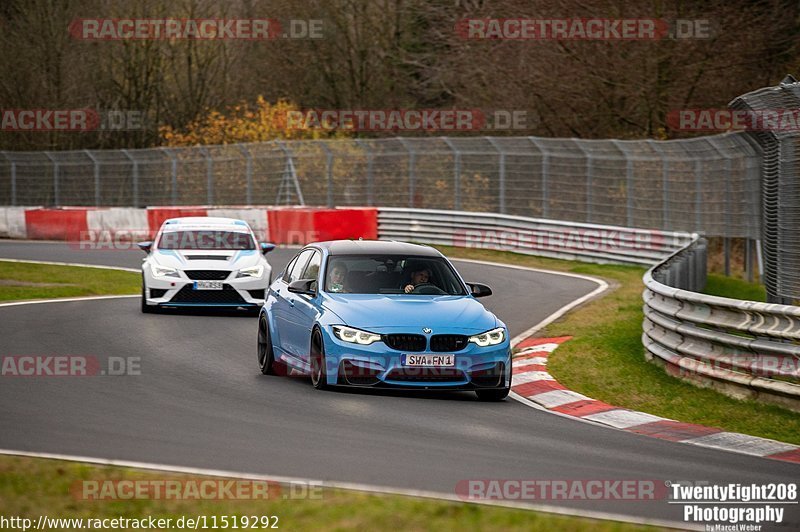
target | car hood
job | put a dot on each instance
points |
(230, 259)
(385, 313)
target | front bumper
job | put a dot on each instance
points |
(379, 366)
(179, 292)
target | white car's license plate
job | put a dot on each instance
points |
(208, 285)
(436, 361)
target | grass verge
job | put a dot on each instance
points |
(719, 285)
(33, 487)
(605, 359)
(26, 280)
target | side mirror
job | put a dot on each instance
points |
(479, 290)
(145, 246)
(304, 286)
(266, 248)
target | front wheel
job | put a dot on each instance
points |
(146, 309)
(266, 355)
(319, 376)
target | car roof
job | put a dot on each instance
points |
(376, 247)
(205, 222)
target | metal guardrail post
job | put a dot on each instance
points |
(173, 175)
(329, 174)
(664, 183)
(13, 176)
(134, 176)
(698, 194)
(56, 184)
(456, 173)
(248, 170)
(412, 171)
(628, 181)
(370, 169)
(589, 178)
(209, 176)
(726, 241)
(545, 175)
(501, 186)
(96, 177)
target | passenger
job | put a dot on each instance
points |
(418, 277)
(336, 278)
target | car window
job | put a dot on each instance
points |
(312, 269)
(390, 274)
(298, 265)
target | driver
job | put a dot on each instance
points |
(418, 277)
(337, 277)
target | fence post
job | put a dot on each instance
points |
(412, 171)
(96, 177)
(664, 183)
(370, 177)
(174, 175)
(328, 174)
(545, 175)
(589, 178)
(209, 176)
(726, 241)
(56, 184)
(456, 173)
(501, 188)
(134, 176)
(13, 168)
(628, 181)
(248, 170)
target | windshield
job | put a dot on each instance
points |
(206, 239)
(391, 274)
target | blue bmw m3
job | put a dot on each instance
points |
(382, 314)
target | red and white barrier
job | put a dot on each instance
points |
(281, 225)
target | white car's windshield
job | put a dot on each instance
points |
(391, 274)
(206, 239)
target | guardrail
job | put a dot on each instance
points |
(744, 349)
(534, 236)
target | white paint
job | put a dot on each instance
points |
(557, 398)
(623, 419)
(530, 376)
(117, 219)
(256, 218)
(742, 443)
(534, 361)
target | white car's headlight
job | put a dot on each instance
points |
(252, 271)
(355, 336)
(163, 271)
(493, 337)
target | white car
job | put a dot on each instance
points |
(205, 262)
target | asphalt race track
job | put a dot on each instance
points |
(200, 401)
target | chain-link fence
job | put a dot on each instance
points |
(708, 184)
(780, 187)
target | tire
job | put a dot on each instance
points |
(319, 377)
(493, 396)
(266, 355)
(146, 309)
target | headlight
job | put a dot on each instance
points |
(493, 337)
(252, 271)
(355, 336)
(163, 271)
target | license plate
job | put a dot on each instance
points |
(208, 285)
(436, 361)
